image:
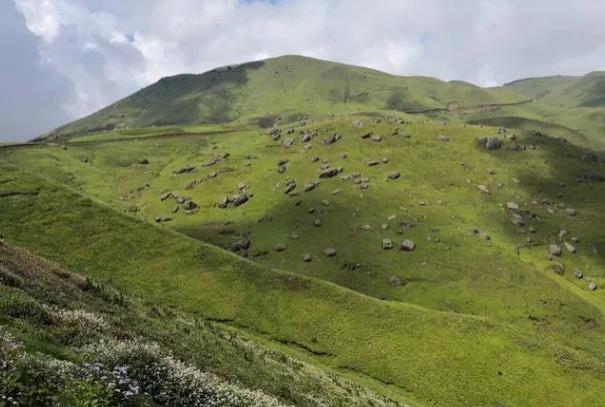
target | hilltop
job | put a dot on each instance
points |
(288, 87)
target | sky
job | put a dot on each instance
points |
(63, 59)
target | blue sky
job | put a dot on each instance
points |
(63, 59)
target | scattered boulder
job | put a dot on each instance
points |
(144, 161)
(569, 247)
(317, 222)
(558, 268)
(307, 258)
(592, 286)
(165, 196)
(570, 212)
(490, 143)
(408, 246)
(513, 206)
(184, 170)
(484, 236)
(376, 138)
(290, 186)
(578, 274)
(280, 247)
(483, 189)
(329, 172)
(393, 175)
(387, 244)
(309, 186)
(372, 163)
(554, 250)
(333, 138)
(241, 245)
(365, 228)
(330, 252)
(162, 219)
(239, 199)
(306, 137)
(366, 135)
(395, 281)
(190, 206)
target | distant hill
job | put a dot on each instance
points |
(569, 91)
(287, 87)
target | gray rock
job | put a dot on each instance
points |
(165, 195)
(376, 138)
(307, 258)
(309, 186)
(408, 246)
(393, 175)
(280, 247)
(366, 228)
(395, 281)
(330, 252)
(592, 286)
(329, 172)
(570, 212)
(569, 247)
(240, 245)
(290, 186)
(282, 169)
(483, 189)
(513, 206)
(366, 135)
(372, 163)
(240, 199)
(317, 222)
(484, 236)
(490, 143)
(334, 137)
(578, 274)
(554, 250)
(387, 244)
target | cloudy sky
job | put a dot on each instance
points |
(62, 59)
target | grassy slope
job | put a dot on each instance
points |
(33, 291)
(392, 341)
(566, 106)
(288, 86)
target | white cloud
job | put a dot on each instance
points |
(109, 48)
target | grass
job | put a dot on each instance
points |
(493, 310)
(38, 300)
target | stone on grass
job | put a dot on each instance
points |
(330, 252)
(280, 247)
(408, 246)
(513, 206)
(592, 286)
(393, 175)
(554, 250)
(578, 274)
(309, 186)
(395, 281)
(307, 258)
(387, 244)
(570, 248)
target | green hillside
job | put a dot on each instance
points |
(287, 87)
(313, 249)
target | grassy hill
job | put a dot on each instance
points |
(379, 256)
(288, 87)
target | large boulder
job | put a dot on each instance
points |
(490, 143)
(408, 246)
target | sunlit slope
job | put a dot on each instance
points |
(286, 87)
(434, 357)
